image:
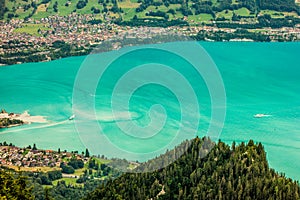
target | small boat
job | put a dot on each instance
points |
(261, 115)
(72, 117)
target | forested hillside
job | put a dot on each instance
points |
(202, 170)
(237, 172)
(14, 187)
(280, 5)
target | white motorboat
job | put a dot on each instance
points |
(260, 115)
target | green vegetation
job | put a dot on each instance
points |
(125, 10)
(279, 5)
(239, 172)
(202, 170)
(2, 9)
(32, 29)
(14, 187)
(200, 18)
(238, 34)
(242, 12)
(68, 181)
(78, 184)
(51, 36)
(6, 122)
(71, 166)
(59, 49)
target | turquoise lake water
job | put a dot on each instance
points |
(258, 78)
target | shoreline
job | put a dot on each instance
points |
(202, 41)
(13, 119)
(12, 125)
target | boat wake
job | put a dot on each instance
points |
(32, 128)
(106, 116)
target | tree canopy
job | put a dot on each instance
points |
(14, 188)
(240, 172)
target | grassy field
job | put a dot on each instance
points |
(69, 181)
(33, 169)
(79, 172)
(227, 14)
(66, 7)
(199, 18)
(42, 8)
(102, 161)
(242, 12)
(128, 4)
(31, 29)
(258, 31)
(276, 14)
(23, 9)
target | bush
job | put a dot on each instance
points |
(67, 169)
(45, 180)
(54, 175)
(81, 4)
(76, 164)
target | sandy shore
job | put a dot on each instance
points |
(25, 117)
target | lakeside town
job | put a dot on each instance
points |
(80, 33)
(11, 156)
(57, 167)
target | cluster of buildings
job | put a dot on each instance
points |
(285, 32)
(83, 31)
(26, 157)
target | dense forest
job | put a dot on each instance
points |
(279, 5)
(236, 172)
(12, 187)
(202, 170)
(29, 186)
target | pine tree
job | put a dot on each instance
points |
(87, 153)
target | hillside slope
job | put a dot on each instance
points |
(12, 187)
(239, 172)
(194, 10)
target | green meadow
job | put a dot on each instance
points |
(31, 28)
(23, 8)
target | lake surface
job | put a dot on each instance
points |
(258, 78)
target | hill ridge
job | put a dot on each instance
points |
(236, 172)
